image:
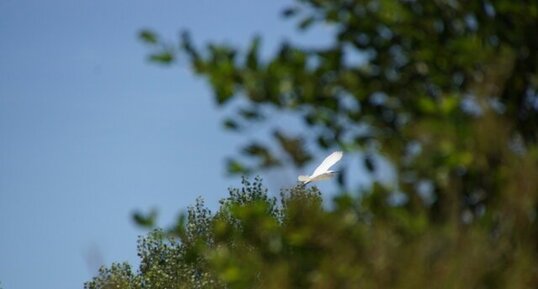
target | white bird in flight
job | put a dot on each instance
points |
(322, 172)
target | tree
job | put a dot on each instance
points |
(447, 91)
(254, 242)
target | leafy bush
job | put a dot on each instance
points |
(253, 241)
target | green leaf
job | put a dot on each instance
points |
(306, 22)
(162, 57)
(145, 220)
(252, 54)
(231, 124)
(148, 36)
(235, 167)
(294, 148)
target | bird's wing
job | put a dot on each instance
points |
(304, 179)
(327, 163)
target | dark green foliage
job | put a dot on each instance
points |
(117, 276)
(253, 241)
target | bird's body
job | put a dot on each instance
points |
(322, 172)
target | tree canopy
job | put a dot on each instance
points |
(446, 90)
(255, 241)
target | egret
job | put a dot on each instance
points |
(322, 172)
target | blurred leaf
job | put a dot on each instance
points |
(262, 153)
(253, 52)
(290, 11)
(341, 178)
(426, 105)
(148, 36)
(251, 113)
(162, 57)
(231, 124)
(234, 167)
(449, 104)
(306, 22)
(179, 227)
(147, 220)
(294, 148)
(323, 142)
(369, 163)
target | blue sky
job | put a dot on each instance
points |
(90, 131)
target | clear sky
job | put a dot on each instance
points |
(90, 131)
